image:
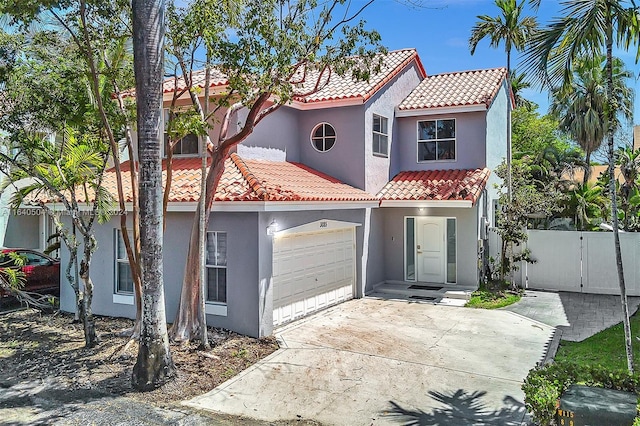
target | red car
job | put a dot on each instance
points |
(42, 273)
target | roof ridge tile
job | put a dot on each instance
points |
(254, 183)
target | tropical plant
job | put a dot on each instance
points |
(580, 103)
(67, 69)
(588, 206)
(589, 27)
(510, 28)
(628, 161)
(556, 167)
(514, 30)
(532, 133)
(518, 84)
(69, 172)
(530, 199)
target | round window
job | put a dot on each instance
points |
(323, 137)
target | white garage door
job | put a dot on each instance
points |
(312, 270)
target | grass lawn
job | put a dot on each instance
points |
(492, 297)
(605, 348)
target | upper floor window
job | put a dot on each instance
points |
(216, 267)
(323, 137)
(188, 145)
(380, 136)
(124, 278)
(436, 140)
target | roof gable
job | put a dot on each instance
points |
(459, 89)
(334, 89)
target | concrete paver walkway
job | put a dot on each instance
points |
(374, 362)
(577, 315)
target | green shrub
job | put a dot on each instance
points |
(544, 385)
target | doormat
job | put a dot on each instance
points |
(424, 287)
(422, 297)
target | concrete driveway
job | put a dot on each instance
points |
(375, 362)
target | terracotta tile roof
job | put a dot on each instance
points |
(438, 185)
(456, 89)
(218, 78)
(286, 181)
(346, 88)
(336, 88)
(247, 180)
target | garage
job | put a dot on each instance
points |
(313, 268)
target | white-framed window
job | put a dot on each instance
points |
(323, 137)
(437, 140)
(124, 278)
(187, 146)
(380, 135)
(216, 267)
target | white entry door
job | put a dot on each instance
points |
(430, 249)
(311, 271)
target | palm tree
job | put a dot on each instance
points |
(154, 365)
(629, 162)
(518, 84)
(586, 28)
(553, 166)
(70, 172)
(586, 204)
(514, 31)
(580, 104)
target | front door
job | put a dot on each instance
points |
(430, 249)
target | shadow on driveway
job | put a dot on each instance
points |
(460, 407)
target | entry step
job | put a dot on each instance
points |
(458, 294)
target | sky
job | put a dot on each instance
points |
(440, 31)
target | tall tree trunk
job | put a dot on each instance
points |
(188, 322)
(202, 219)
(611, 111)
(90, 336)
(154, 365)
(587, 169)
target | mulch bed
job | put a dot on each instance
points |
(39, 346)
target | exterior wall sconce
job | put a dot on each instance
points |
(272, 228)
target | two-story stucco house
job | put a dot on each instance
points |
(362, 187)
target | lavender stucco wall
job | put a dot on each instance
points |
(383, 103)
(242, 270)
(470, 143)
(496, 142)
(274, 138)
(345, 161)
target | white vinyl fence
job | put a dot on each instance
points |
(581, 262)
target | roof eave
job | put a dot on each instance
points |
(274, 206)
(464, 204)
(415, 112)
(329, 103)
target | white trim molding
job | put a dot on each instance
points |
(463, 204)
(215, 309)
(123, 299)
(326, 104)
(274, 206)
(245, 206)
(318, 225)
(441, 110)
